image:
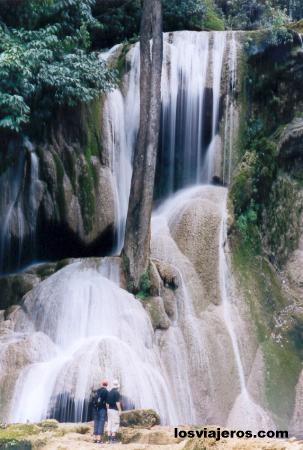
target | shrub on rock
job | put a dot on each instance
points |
(146, 418)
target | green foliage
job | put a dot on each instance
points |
(123, 23)
(118, 24)
(253, 180)
(273, 37)
(265, 298)
(183, 14)
(14, 444)
(144, 286)
(294, 8)
(265, 188)
(51, 66)
(214, 18)
(252, 14)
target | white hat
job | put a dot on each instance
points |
(116, 384)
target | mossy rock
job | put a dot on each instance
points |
(48, 424)
(263, 291)
(14, 287)
(145, 418)
(19, 431)
(15, 444)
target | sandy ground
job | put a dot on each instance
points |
(162, 438)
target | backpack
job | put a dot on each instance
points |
(98, 401)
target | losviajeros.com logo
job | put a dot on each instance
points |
(217, 434)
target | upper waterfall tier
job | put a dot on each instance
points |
(70, 197)
(199, 72)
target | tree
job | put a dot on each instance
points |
(46, 62)
(137, 237)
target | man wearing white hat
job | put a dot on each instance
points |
(113, 412)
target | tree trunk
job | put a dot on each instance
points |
(137, 235)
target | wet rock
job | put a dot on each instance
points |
(169, 301)
(155, 308)
(167, 273)
(282, 220)
(156, 282)
(297, 419)
(14, 287)
(145, 418)
(197, 234)
(291, 140)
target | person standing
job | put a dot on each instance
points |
(113, 412)
(100, 411)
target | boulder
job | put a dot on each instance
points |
(145, 418)
(156, 310)
(14, 287)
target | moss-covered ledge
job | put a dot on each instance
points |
(271, 313)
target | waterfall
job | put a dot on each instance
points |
(99, 330)
(87, 327)
(245, 410)
(121, 122)
(192, 90)
(20, 187)
(217, 62)
(183, 92)
(230, 112)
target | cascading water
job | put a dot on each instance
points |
(183, 93)
(245, 410)
(219, 43)
(98, 330)
(87, 327)
(20, 187)
(191, 98)
(230, 112)
(121, 122)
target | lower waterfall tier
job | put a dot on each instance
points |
(173, 352)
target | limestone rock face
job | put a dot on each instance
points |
(282, 220)
(186, 241)
(145, 418)
(294, 267)
(60, 196)
(156, 310)
(77, 188)
(291, 140)
(197, 234)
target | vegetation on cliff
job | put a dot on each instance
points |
(46, 61)
(266, 197)
(267, 173)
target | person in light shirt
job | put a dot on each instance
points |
(113, 412)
